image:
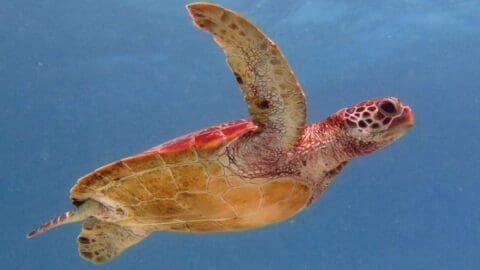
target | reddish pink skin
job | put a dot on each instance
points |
(319, 154)
(317, 157)
(208, 136)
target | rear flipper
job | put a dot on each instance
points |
(100, 242)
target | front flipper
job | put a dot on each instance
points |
(275, 98)
(100, 242)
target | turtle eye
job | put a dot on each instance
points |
(388, 107)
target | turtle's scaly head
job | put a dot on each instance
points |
(375, 123)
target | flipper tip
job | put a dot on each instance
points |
(31, 234)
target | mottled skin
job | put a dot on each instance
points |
(235, 176)
(189, 184)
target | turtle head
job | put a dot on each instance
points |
(375, 123)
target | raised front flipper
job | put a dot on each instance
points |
(275, 98)
(100, 242)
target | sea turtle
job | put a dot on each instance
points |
(234, 176)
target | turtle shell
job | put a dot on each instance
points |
(186, 185)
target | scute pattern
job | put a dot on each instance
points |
(190, 177)
(192, 194)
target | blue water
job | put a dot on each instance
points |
(83, 83)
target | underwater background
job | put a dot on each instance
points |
(84, 83)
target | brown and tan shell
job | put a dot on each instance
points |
(186, 185)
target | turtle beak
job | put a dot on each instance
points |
(400, 124)
(407, 117)
(403, 122)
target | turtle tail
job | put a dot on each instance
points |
(85, 211)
